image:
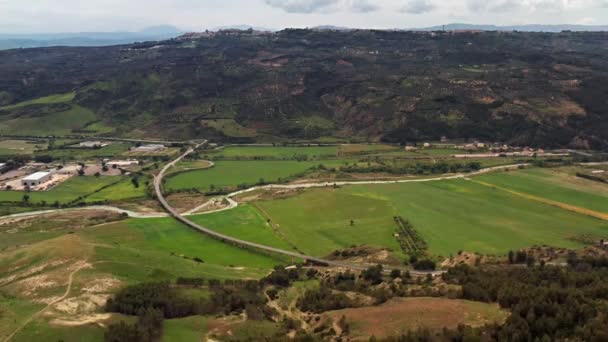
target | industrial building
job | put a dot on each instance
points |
(36, 179)
(150, 148)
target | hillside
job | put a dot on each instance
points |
(542, 89)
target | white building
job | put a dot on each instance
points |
(150, 148)
(36, 179)
(2, 166)
(92, 144)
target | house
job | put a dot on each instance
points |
(150, 148)
(2, 166)
(36, 179)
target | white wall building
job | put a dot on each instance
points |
(150, 148)
(36, 179)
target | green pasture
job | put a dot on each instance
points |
(162, 248)
(451, 216)
(277, 152)
(58, 123)
(20, 147)
(114, 150)
(123, 190)
(51, 99)
(319, 220)
(243, 222)
(63, 193)
(555, 185)
(42, 330)
(189, 329)
(14, 311)
(229, 174)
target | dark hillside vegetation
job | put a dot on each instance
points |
(542, 89)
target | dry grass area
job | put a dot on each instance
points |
(399, 315)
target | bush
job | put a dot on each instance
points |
(424, 265)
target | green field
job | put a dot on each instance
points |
(58, 123)
(451, 216)
(243, 222)
(278, 152)
(319, 221)
(51, 99)
(553, 184)
(123, 190)
(65, 192)
(114, 150)
(13, 147)
(232, 173)
(156, 249)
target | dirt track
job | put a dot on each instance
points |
(81, 265)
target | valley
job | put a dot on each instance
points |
(344, 208)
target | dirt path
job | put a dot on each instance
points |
(82, 265)
(565, 206)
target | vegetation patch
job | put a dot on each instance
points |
(400, 315)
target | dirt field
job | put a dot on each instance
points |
(399, 315)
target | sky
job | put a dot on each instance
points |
(41, 16)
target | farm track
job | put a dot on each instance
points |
(68, 289)
(565, 206)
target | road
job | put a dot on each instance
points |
(256, 246)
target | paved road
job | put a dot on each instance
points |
(229, 239)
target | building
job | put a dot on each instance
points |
(92, 144)
(2, 166)
(150, 148)
(36, 179)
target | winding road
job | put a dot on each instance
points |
(256, 246)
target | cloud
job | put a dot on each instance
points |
(418, 7)
(302, 6)
(363, 6)
(533, 5)
(323, 6)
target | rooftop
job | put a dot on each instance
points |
(36, 176)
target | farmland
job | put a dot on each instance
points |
(450, 215)
(233, 173)
(388, 223)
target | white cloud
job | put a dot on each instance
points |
(418, 7)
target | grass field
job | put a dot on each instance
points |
(13, 147)
(278, 152)
(123, 190)
(243, 222)
(450, 215)
(65, 192)
(319, 221)
(554, 184)
(113, 150)
(232, 173)
(156, 249)
(59, 123)
(190, 329)
(51, 99)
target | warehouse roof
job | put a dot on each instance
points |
(36, 176)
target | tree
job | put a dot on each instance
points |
(395, 273)
(135, 181)
(150, 324)
(26, 199)
(81, 172)
(97, 174)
